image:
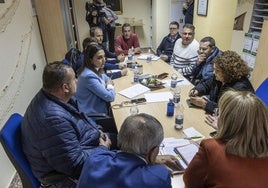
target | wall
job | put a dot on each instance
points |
(238, 36)
(160, 21)
(218, 23)
(20, 48)
(138, 9)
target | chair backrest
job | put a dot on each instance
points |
(10, 138)
(262, 91)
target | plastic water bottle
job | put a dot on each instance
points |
(149, 59)
(179, 117)
(132, 52)
(134, 109)
(173, 82)
(170, 108)
(177, 96)
(130, 55)
(136, 76)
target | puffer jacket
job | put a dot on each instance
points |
(214, 90)
(56, 136)
(166, 46)
(204, 71)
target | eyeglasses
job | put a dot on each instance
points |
(122, 104)
(161, 146)
(172, 28)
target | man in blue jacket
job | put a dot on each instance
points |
(56, 137)
(135, 164)
(203, 68)
(165, 49)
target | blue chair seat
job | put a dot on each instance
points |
(262, 91)
(10, 138)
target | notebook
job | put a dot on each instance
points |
(187, 152)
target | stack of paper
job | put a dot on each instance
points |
(134, 91)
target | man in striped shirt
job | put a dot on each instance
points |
(185, 50)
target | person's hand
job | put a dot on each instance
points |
(137, 50)
(94, 13)
(168, 160)
(199, 101)
(164, 57)
(109, 84)
(185, 5)
(121, 57)
(201, 58)
(124, 72)
(193, 93)
(122, 65)
(212, 121)
(104, 140)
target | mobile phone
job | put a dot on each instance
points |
(191, 105)
(177, 168)
(213, 134)
(139, 100)
(130, 64)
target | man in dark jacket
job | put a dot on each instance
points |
(56, 137)
(203, 68)
(188, 11)
(165, 49)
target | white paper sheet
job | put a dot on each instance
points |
(181, 82)
(114, 70)
(158, 97)
(134, 91)
(144, 57)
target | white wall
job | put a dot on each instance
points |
(20, 48)
(160, 21)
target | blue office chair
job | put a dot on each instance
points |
(262, 91)
(10, 138)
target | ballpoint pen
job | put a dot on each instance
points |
(180, 80)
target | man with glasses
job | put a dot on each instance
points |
(185, 51)
(165, 49)
(203, 69)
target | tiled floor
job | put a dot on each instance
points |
(16, 183)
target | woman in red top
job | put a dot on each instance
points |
(238, 156)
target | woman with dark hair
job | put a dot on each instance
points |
(230, 72)
(238, 155)
(94, 88)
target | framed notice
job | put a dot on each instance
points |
(202, 7)
(115, 5)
